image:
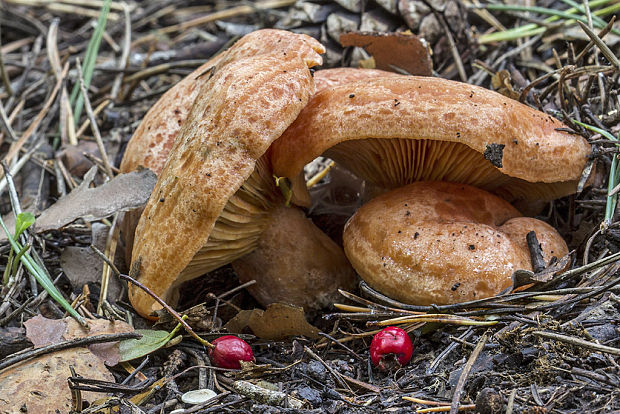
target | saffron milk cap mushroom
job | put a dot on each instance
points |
(396, 130)
(215, 194)
(439, 243)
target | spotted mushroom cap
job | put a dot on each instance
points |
(395, 130)
(441, 243)
(327, 78)
(150, 144)
(205, 208)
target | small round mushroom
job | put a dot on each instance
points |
(439, 243)
(215, 195)
(396, 130)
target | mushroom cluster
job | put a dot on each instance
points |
(218, 138)
(215, 196)
(438, 148)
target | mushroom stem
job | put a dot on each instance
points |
(295, 262)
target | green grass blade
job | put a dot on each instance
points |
(541, 10)
(90, 58)
(582, 10)
(614, 175)
(532, 29)
(41, 276)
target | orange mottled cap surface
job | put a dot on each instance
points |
(440, 243)
(396, 130)
(255, 91)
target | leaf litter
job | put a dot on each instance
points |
(552, 346)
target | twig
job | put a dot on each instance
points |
(460, 385)
(118, 80)
(334, 373)
(343, 346)
(453, 49)
(37, 120)
(218, 15)
(605, 50)
(536, 256)
(5, 77)
(174, 313)
(93, 123)
(6, 123)
(97, 339)
(67, 124)
(578, 342)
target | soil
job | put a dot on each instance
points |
(552, 346)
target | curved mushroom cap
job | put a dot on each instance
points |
(440, 243)
(210, 204)
(150, 144)
(327, 78)
(397, 130)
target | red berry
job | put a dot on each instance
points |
(228, 351)
(391, 346)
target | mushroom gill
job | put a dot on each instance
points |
(396, 130)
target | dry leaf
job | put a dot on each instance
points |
(82, 265)
(279, 321)
(107, 351)
(74, 159)
(124, 192)
(40, 385)
(42, 331)
(526, 277)
(502, 83)
(396, 52)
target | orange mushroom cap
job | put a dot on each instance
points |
(213, 196)
(440, 243)
(396, 130)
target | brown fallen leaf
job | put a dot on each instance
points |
(42, 331)
(502, 83)
(401, 52)
(278, 321)
(82, 265)
(40, 385)
(522, 278)
(107, 351)
(74, 157)
(124, 192)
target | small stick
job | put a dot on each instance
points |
(343, 346)
(5, 77)
(6, 123)
(174, 313)
(37, 120)
(578, 342)
(335, 374)
(118, 80)
(469, 407)
(96, 111)
(218, 15)
(97, 339)
(536, 256)
(93, 123)
(460, 386)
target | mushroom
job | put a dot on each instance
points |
(411, 130)
(396, 130)
(439, 243)
(215, 195)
